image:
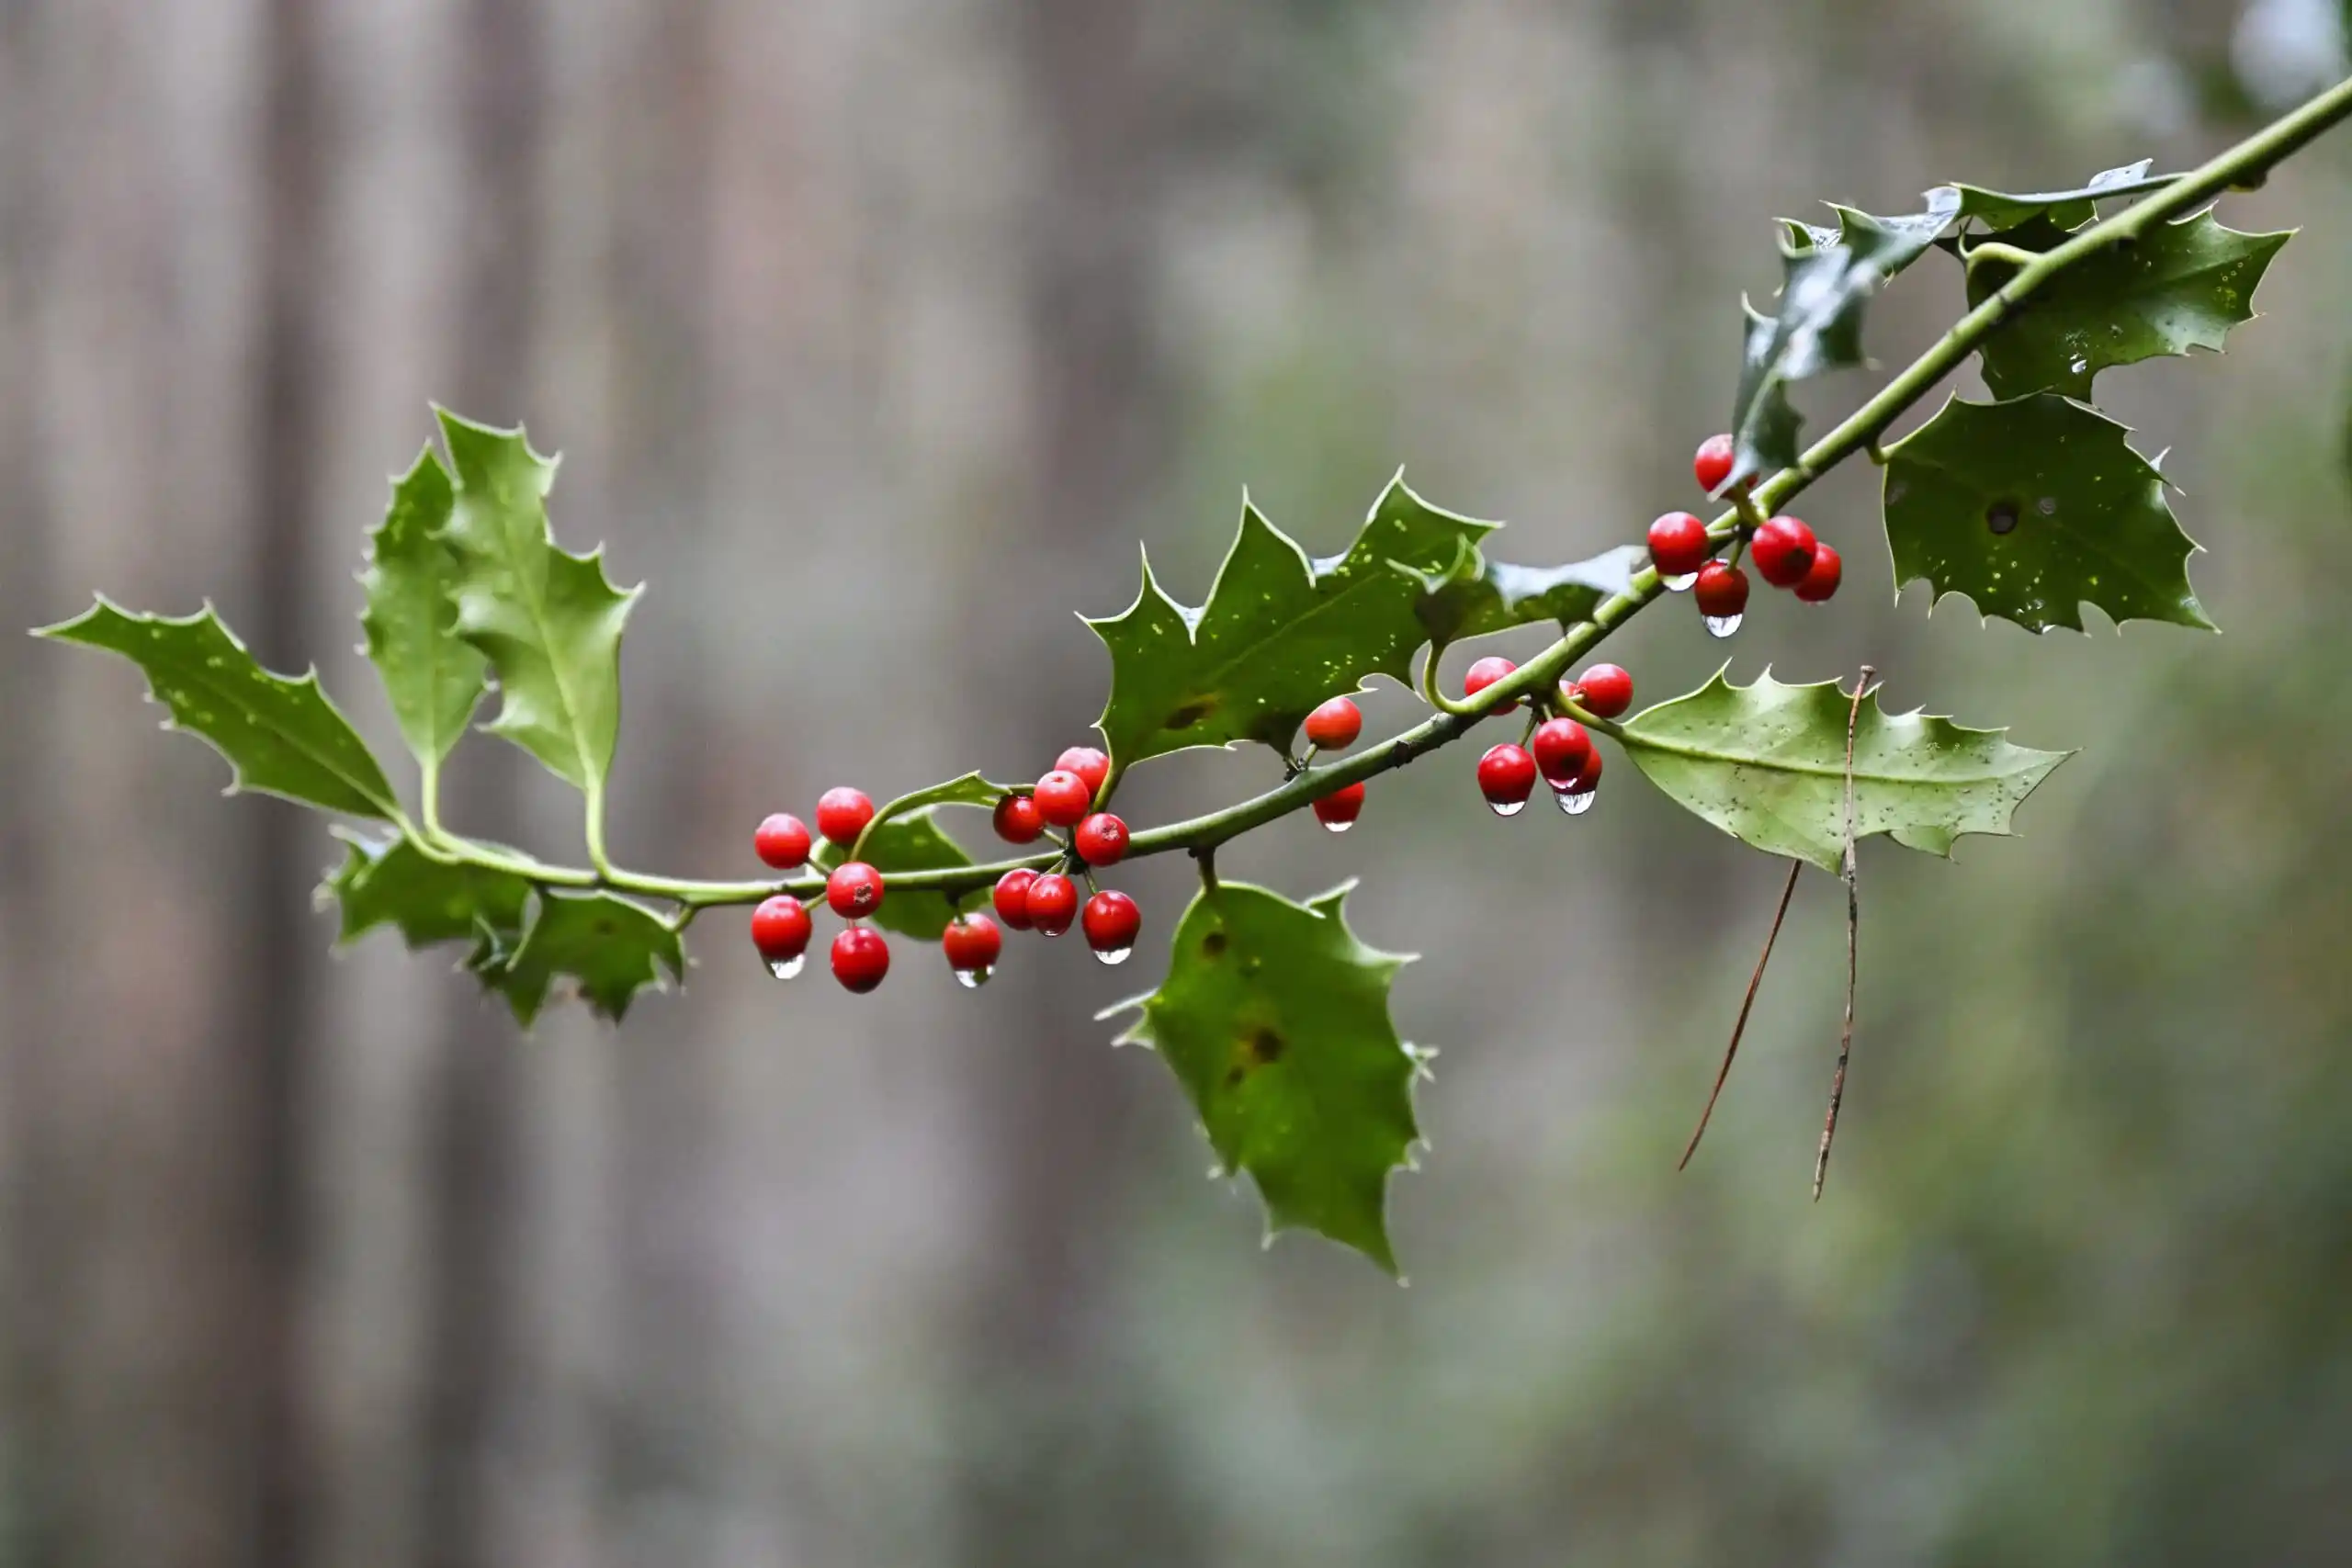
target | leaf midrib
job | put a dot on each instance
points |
(1812, 770)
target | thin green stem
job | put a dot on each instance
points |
(2167, 198)
(1994, 251)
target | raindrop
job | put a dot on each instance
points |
(973, 979)
(2076, 366)
(1507, 807)
(2047, 506)
(1337, 827)
(2001, 516)
(786, 969)
(1576, 803)
(1112, 954)
(1723, 625)
(1679, 584)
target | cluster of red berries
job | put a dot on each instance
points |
(1025, 900)
(1786, 552)
(1559, 751)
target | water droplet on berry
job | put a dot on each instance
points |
(973, 979)
(1576, 803)
(1112, 954)
(1679, 584)
(1507, 807)
(1723, 625)
(786, 969)
(1337, 827)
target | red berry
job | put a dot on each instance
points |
(1560, 746)
(780, 929)
(1087, 764)
(1017, 819)
(1782, 551)
(1507, 777)
(860, 959)
(1341, 807)
(1112, 920)
(853, 889)
(782, 841)
(1011, 898)
(1485, 673)
(1589, 778)
(843, 814)
(1679, 544)
(1606, 690)
(1722, 590)
(1101, 839)
(1821, 578)
(1335, 726)
(1063, 798)
(1052, 903)
(971, 942)
(1711, 464)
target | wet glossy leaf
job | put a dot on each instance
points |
(394, 884)
(2182, 285)
(1275, 1018)
(1767, 764)
(280, 733)
(604, 948)
(431, 676)
(1476, 596)
(1278, 634)
(2033, 508)
(2066, 208)
(549, 620)
(1827, 280)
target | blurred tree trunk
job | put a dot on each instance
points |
(665, 1445)
(35, 1245)
(474, 1115)
(270, 1012)
(1057, 1102)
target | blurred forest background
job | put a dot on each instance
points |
(876, 333)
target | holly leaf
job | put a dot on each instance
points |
(548, 621)
(2182, 285)
(910, 842)
(1278, 634)
(280, 734)
(1274, 1019)
(605, 948)
(1767, 764)
(1476, 596)
(393, 883)
(2032, 507)
(1827, 280)
(970, 790)
(2066, 208)
(433, 676)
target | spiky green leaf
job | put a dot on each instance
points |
(605, 948)
(395, 884)
(1767, 764)
(548, 621)
(1278, 634)
(1826, 281)
(1476, 596)
(280, 733)
(433, 676)
(2182, 285)
(2066, 208)
(912, 843)
(2033, 508)
(1274, 1019)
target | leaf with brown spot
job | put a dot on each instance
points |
(1274, 1019)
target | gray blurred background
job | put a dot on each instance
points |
(875, 334)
